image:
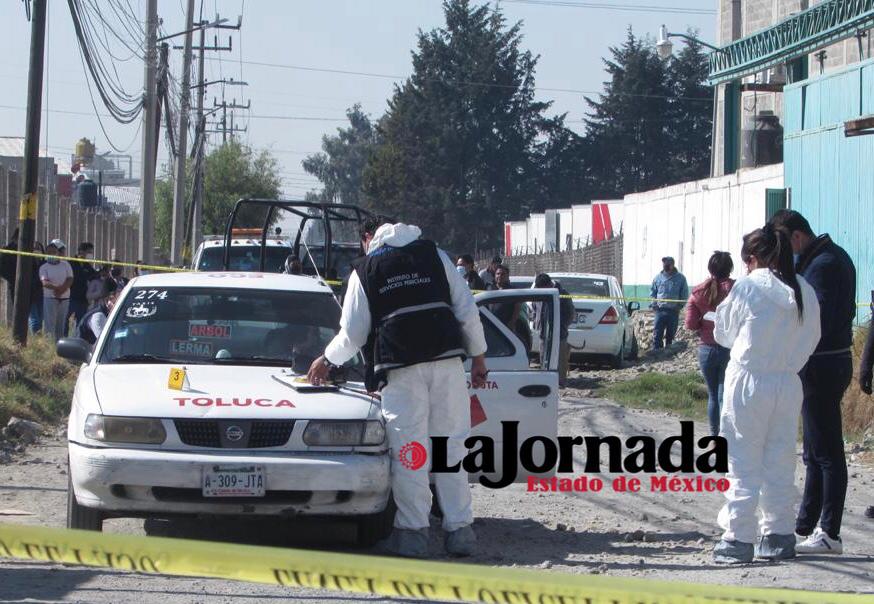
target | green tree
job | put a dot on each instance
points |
(231, 172)
(464, 140)
(341, 164)
(627, 129)
(691, 113)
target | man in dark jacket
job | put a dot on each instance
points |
(567, 312)
(83, 272)
(831, 273)
(866, 374)
(466, 267)
(8, 266)
(93, 321)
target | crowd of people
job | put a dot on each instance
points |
(799, 291)
(65, 292)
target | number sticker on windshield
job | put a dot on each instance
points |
(141, 310)
(151, 294)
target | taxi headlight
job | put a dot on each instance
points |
(140, 430)
(344, 433)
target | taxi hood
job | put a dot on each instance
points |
(220, 391)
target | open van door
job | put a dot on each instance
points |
(517, 389)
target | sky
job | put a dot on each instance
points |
(303, 94)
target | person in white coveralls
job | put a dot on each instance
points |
(770, 321)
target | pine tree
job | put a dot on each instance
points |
(463, 138)
(627, 130)
(691, 112)
(340, 166)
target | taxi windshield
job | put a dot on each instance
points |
(222, 326)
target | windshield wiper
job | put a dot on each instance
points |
(254, 360)
(147, 358)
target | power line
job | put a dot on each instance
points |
(298, 118)
(456, 82)
(633, 8)
(122, 106)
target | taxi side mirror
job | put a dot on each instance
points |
(633, 306)
(74, 349)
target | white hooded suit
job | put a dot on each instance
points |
(759, 321)
(423, 400)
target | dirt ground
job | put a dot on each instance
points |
(658, 535)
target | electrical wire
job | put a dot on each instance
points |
(122, 106)
(635, 8)
(134, 48)
(454, 82)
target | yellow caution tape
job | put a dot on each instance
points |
(171, 269)
(27, 209)
(148, 267)
(373, 575)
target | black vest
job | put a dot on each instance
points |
(83, 329)
(410, 309)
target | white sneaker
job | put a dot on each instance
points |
(820, 543)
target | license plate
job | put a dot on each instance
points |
(233, 481)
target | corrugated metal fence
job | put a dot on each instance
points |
(604, 258)
(830, 175)
(59, 218)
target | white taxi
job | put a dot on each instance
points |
(192, 402)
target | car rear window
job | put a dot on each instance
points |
(585, 286)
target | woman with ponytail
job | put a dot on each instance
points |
(712, 358)
(770, 321)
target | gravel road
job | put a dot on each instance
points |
(658, 535)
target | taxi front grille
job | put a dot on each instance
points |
(255, 434)
(270, 434)
(199, 432)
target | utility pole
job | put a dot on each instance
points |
(178, 235)
(225, 117)
(150, 138)
(224, 106)
(197, 201)
(200, 145)
(29, 201)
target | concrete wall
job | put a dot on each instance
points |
(566, 229)
(536, 233)
(690, 221)
(582, 227)
(574, 228)
(603, 259)
(518, 237)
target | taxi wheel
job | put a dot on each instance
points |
(78, 516)
(373, 528)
